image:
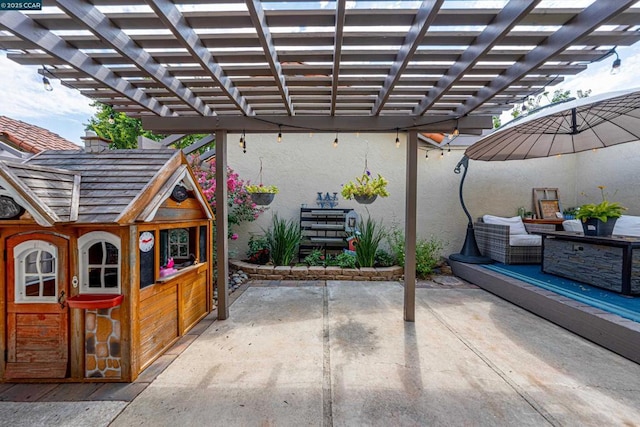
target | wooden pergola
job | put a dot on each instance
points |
(232, 66)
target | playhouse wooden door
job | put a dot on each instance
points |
(37, 317)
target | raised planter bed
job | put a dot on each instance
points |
(270, 272)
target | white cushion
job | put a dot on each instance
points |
(627, 225)
(573, 225)
(525, 240)
(515, 224)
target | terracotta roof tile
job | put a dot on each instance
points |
(31, 138)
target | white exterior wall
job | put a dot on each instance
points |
(302, 165)
(617, 168)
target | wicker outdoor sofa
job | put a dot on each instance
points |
(494, 241)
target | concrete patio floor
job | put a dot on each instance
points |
(341, 355)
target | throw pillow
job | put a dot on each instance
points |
(627, 225)
(515, 224)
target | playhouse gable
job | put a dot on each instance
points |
(49, 195)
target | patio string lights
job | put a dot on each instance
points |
(617, 63)
(45, 80)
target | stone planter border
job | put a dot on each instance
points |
(270, 272)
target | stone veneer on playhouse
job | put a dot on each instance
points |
(102, 343)
(270, 272)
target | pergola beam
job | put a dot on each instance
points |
(264, 35)
(199, 144)
(102, 27)
(424, 18)
(508, 17)
(341, 12)
(297, 124)
(25, 28)
(570, 33)
(176, 22)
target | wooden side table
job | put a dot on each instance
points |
(553, 221)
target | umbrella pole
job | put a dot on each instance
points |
(470, 253)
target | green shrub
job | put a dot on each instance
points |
(315, 258)
(427, 252)
(371, 233)
(283, 238)
(258, 252)
(342, 260)
(427, 256)
(384, 259)
(395, 239)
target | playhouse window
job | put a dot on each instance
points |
(100, 263)
(179, 244)
(203, 243)
(36, 275)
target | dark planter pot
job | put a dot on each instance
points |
(595, 227)
(262, 198)
(365, 200)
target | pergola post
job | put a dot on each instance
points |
(222, 226)
(410, 227)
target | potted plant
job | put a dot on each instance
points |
(262, 194)
(570, 213)
(599, 219)
(365, 189)
(258, 252)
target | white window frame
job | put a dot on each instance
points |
(21, 251)
(84, 243)
(179, 245)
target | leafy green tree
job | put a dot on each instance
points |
(120, 129)
(496, 122)
(532, 103)
(123, 131)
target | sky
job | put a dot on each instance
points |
(65, 112)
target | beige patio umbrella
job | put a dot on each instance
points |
(567, 127)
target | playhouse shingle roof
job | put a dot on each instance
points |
(109, 181)
(30, 138)
(107, 187)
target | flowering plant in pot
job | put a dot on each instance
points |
(599, 219)
(365, 189)
(262, 194)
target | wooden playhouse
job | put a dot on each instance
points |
(85, 239)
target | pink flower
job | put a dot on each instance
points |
(234, 236)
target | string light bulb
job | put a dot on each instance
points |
(335, 141)
(441, 153)
(243, 142)
(47, 84)
(455, 132)
(45, 81)
(280, 134)
(111, 119)
(426, 156)
(448, 149)
(397, 138)
(617, 63)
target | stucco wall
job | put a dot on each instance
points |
(617, 168)
(304, 164)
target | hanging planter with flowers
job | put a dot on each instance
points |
(262, 194)
(365, 189)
